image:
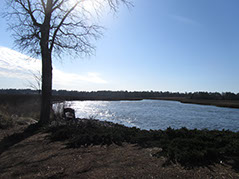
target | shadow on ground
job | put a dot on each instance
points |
(15, 138)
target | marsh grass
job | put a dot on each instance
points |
(20, 105)
(5, 121)
(18, 110)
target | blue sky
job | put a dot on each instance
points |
(161, 45)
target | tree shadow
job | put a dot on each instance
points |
(31, 163)
(15, 138)
(234, 163)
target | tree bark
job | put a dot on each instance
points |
(46, 86)
(46, 67)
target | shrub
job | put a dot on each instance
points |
(188, 147)
(5, 122)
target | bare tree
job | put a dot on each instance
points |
(36, 82)
(53, 27)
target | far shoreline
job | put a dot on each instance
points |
(217, 103)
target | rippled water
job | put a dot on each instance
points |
(159, 114)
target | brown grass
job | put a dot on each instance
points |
(218, 103)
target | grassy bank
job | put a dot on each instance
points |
(24, 102)
(218, 103)
(18, 110)
(36, 155)
(187, 147)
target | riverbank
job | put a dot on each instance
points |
(47, 153)
(27, 101)
(218, 103)
(97, 149)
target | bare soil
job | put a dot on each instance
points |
(37, 157)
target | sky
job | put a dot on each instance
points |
(159, 45)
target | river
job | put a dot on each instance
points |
(159, 114)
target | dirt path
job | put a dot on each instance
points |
(37, 157)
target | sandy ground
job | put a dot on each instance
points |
(37, 157)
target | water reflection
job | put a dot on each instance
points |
(157, 114)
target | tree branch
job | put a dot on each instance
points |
(35, 23)
(43, 5)
(58, 6)
(60, 24)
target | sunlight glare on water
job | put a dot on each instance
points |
(159, 114)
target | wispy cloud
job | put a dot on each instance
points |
(185, 20)
(63, 79)
(17, 65)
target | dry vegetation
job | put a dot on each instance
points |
(95, 149)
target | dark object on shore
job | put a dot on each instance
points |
(69, 114)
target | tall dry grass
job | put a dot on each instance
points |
(18, 109)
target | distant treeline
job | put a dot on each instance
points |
(118, 94)
(82, 95)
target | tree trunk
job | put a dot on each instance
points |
(46, 86)
(46, 66)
